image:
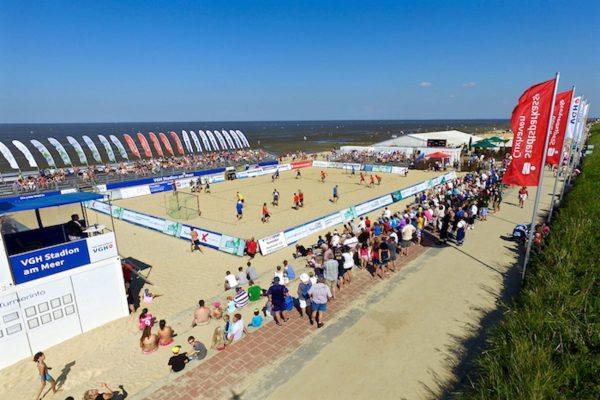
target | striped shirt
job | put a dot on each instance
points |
(241, 299)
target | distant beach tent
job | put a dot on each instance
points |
(484, 144)
(196, 141)
(220, 139)
(228, 139)
(92, 146)
(9, 156)
(156, 144)
(235, 137)
(44, 151)
(186, 141)
(120, 147)
(145, 145)
(166, 143)
(243, 137)
(205, 140)
(438, 154)
(109, 151)
(61, 151)
(132, 146)
(213, 141)
(23, 149)
(177, 142)
(78, 150)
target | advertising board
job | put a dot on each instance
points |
(232, 245)
(207, 238)
(273, 243)
(301, 164)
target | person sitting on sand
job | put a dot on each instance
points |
(254, 291)
(202, 314)
(237, 329)
(145, 319)
(218, 339)
(242, 276)
(178, 359)
(94, 394)
(43, 374)
(217, 312)
(251, 272)
(148, 341)
(241, 297)
(165, 333)
(198, 349)
(257, 320)
(230, 281)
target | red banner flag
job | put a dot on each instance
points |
(145, 145)
(530, 125)
(166, 143)
(562, 105)
(156, 144)
(132, 146)
(177, 142)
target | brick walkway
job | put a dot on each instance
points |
(213, 378)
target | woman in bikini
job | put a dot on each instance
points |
(165, 333)
(148, 341)
(43, 374)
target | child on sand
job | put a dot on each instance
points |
(43, 374)
(218, 339)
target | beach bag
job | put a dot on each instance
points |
(289, 303)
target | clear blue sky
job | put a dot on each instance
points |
(104, 61)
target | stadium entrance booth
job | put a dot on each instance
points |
(51, 288)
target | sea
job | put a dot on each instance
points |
(278, 137)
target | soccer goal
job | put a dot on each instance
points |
(182, 205)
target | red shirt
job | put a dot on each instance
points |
(251, 247)
(295, 198)
(372, 179)
(301, 195)
(265, 212)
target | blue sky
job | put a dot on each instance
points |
(117, 61)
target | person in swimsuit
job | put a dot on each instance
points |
(195, 242)
(148, 341)
(43, 374)
(165, 333)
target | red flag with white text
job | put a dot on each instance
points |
(530, 125)
(562, 105)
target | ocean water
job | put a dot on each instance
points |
(278, 137)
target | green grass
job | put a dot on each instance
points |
(548, 344)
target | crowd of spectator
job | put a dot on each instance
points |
(370, 157)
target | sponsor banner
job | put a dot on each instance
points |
(169, 178)
(101, 188)
(171, 228)
(348, 214)
(101, 247)
(301, 164)
(232, 245)
(117, 212)
(529, 124)
(562, 107)
(38, 264)
(332, 219)
(320, 164)
(136, 191)
(284, 167)
(67, 191)
(272, 243)
(380, 168)
(399, 170)
(406, 193)
(144, 220)
(241, 174)
(207, 238)
(397, 196)
(183, 183)
(374, 204)
(367, 168)
(160, 187)
(216, 178)
(98, 206)
(295, 234)
(314, 226)
(251, 173)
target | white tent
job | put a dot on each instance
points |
(452, 138)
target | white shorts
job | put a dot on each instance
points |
(302, 303)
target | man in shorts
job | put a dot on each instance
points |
(331, 275)
(336, 196)
(300, 198)
(407, 234)
(195, 242)
(265, 213)
(296, 201)
(319, 294)
(362, 179)
(239, 207)
(277, 294)
(275, 198)
(323, 176)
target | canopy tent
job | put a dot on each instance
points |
(438, 154)
(485, 144)
(496, 139)
(10, 206)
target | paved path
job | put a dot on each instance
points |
(215, 378)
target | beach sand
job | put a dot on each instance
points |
(110, 353)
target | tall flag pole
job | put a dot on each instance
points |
(558, 137)
(530, 108)
(572, 133)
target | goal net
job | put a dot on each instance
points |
(182, 205)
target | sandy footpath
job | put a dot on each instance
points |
(401, 345)
(110, 353)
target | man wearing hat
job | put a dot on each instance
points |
(303, 288)
(319, 294)
(178, 360)
(277, 294)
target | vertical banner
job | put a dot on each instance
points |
(92, 146)
(145, 145)
(9, 156)
(109, 151)
(196, 141)
(213, 141)
(120, 147)
(221, 140)
(562, 106)
(132, 146)
(78, 149)
(235, 137)
(530, 125)
(26, 153)
(228, 139)
(61, 151)
(166, 143)
(44, 151)
(186, 141)
(205, 140)
(156, 144)
(243, 138)
(572, 122)
(177, 142)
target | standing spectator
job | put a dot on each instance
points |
(319, 295)
(303, 297)
(330, 273)
(407, 234)
(277, 294)
(251, 248)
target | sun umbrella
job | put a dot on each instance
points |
(484, 144)
(438, 154)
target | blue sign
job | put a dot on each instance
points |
(49, 261)
(161, 187)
